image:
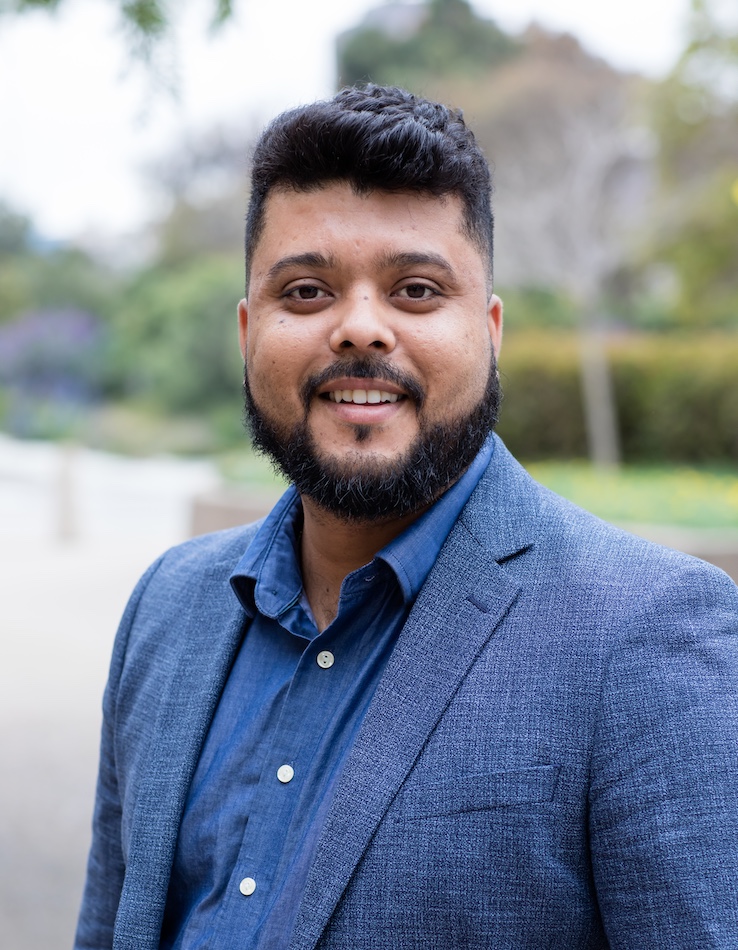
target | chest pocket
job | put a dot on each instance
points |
(478, 791)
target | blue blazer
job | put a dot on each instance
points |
(549, 761)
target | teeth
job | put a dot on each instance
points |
(361, 396)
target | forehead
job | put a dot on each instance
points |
(335, 218)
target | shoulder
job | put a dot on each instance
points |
(213, 553)
(564, 555)
(194, 572)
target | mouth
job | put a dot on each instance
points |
(361, 397)
(359, 391)
(376, 385)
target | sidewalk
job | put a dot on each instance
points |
(59, 608)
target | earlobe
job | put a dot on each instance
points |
(243, 322)
(494, 323)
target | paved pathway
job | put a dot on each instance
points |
(60, 602)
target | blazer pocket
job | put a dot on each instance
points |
(479, 791)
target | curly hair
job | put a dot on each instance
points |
(375, 138)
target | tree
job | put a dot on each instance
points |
(201, 180)
(406, 44)
(146, 22)
(176, 338)
(573, 175)
(696, 119)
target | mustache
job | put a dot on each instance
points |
(371, 367)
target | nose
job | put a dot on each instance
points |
(362, 324)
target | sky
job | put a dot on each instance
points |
(78, 122)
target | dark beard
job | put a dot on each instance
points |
(376, 490)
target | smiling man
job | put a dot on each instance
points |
(425, 702)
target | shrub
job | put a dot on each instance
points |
(676, 397)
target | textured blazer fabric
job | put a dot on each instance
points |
(549, 761)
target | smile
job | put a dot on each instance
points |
(362, 396)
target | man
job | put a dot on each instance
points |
(425, 703)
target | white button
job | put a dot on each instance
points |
(285, 773)
(326, 659)
(247, 886)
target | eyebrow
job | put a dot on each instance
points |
(403, 259)
(308, 259)
(390, 259)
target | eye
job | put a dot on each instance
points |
(306, 292)
(416, 292)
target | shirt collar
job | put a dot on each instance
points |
(268, 579)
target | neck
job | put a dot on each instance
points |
(332, 548)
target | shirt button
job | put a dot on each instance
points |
(285, 773)
(326, 659)
(247, 886)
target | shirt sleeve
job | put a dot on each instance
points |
(664, 791)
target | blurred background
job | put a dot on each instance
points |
(125, 129)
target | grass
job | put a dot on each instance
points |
(681, 496)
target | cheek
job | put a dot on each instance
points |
(277, 362)
(456, 369)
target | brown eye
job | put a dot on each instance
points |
(417, 292)
(306, 292)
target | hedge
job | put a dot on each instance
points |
(676, 397)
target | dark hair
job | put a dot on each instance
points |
(374, 137)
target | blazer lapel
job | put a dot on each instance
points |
(210, 637)
(462, 602)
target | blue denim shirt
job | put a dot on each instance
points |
(288, 716)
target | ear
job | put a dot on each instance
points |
(243, 323)
(494, 323)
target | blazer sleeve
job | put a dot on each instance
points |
(663, 814)
(105, 866)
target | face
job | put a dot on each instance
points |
(368, 330)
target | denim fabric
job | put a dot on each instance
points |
(549, 759)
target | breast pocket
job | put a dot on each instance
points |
(478, 791)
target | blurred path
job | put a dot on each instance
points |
(76, 531)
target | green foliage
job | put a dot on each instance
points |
(537, 307)
(36, 277)
(15, 232)
(542, 414)
(146, 22)
(695, 116)
(176, 335)
(450, 39)
(704, 254)
(677, 398)
(680, 496)
(21, 6)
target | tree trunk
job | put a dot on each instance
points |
(600, 411)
